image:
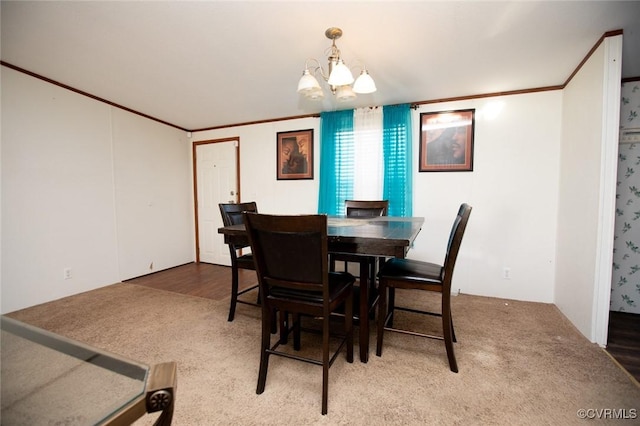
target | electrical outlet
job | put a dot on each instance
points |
(67, 273)
(506, 273)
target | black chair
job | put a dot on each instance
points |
(363, 209)
(291, 258)
(232, 215)
(417, 275)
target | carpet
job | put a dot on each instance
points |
(521, 363)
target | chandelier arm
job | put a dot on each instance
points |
(318, 67)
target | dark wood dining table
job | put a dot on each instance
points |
(384, 236)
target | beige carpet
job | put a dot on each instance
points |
(520, 364)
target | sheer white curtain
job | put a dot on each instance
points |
(368, 154)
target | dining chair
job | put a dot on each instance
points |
(417, 275)
(291, 257)
(365, 208)
(362, 209)
(232, 215)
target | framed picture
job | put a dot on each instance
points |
(295, 155)
(446, 141)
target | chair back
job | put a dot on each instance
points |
(453, 246)
(360, 208)
(232, 212)
(232, 215)
(290, 253)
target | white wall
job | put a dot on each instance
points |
(71, 168)
(513, 189)
(153, 196)
(587, 191)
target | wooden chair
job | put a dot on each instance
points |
(232, 215)
(291, 258)
(363, 209)
(417, 275)
(358, 208)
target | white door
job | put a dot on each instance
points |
(216, 175)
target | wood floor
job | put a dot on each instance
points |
(624, 341)
(197, 279)
(213, 282)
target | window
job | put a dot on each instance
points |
(366, 155)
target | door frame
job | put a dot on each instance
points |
(194, 148)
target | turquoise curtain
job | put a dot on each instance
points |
(396, 141)
(336, 161)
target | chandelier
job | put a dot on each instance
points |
(338, 77)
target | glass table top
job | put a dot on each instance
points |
(49, 379)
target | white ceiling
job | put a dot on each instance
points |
(213, 63)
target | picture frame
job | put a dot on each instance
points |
(294, 155)
(446, 141)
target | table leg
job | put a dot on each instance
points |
(364, 310)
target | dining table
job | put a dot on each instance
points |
(383, 236)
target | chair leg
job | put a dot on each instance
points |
(382, 314)
(391, 305)
(381, 262)
(373, 271)
(264, 354)
(447, 327)
(234, 292)
(284, 327)
(296, 331)
(453, 330)
(274, 324)
(372, 285)
(325, 363)
(348, 326)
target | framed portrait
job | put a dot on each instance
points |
(446, 141)
(294, 155)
